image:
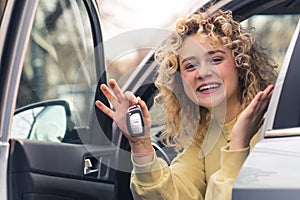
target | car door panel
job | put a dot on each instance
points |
(57, 170)
(14, 33)
(56, 188)
(271, 169)
(52, 170)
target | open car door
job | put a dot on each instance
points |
(52, 144)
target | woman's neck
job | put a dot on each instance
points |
(224, 114)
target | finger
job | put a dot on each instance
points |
(131, 98)
(265, 99)
(270, 94)
(263, 106)
(104, 109)
(108, 94)
(257, 98)
(270, 88)
(116, 89)
(262, 98)
(261, 122)
(255, 105)
(144, 108)
(267, 91)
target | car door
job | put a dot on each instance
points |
(271, 170)
(54, 145)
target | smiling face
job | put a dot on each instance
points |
(209, 75)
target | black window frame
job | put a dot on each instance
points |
(288, 108)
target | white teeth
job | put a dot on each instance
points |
(207, 87)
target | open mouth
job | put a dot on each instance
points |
(208, 87)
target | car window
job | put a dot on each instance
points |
(59, 62)
(2, 6)
(285, 108)
(276, 32)
(269, 31)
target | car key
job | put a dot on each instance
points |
(135, 122)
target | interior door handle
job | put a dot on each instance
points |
(89, 168)
(96, 167)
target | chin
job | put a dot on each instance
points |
(213, 103)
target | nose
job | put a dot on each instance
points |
(204, 71)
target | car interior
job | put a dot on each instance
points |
(91, 160)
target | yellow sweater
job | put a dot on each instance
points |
(207, 172)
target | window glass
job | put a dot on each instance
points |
(269, 31)
(2, 7)
(120, 67)
(59, 62)
(286, 105)
(274, 32)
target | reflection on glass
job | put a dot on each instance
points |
(59, 60)
(47, 123)
(23, 121)
(50, 124)
(270, 28)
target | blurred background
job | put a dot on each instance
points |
(121, 18)
(59, 62)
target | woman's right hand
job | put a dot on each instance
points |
(251, 119)
(121, 102)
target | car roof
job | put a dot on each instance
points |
(252, 7)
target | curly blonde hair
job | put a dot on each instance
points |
(255, 68)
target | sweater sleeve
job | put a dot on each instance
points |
(221, 182)
(183, 179)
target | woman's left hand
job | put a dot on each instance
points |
(250, 120)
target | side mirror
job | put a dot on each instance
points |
(43, 121)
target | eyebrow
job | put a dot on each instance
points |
(188, 59)
(209, 53)
(215, 51)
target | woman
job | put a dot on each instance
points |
(215, 84)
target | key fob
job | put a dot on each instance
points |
(135, 122)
